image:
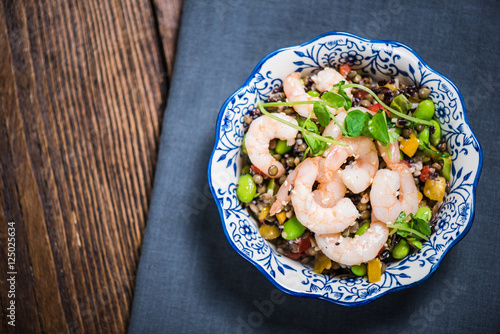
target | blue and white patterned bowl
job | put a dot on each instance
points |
(381, 59)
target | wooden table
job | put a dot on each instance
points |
(83, 87)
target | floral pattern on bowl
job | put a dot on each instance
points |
(381, 59)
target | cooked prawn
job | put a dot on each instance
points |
(394, 153)
(284, 194)
(357, 250)
(294, 91)
(317, 218)
(262, 130)
(387, 203)
(326, 78)
(357, 176)
(327, 194)
(323, 80)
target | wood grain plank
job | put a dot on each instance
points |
(21, 137)
(82, 89)
(167, 14)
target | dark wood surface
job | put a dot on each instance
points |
(83, 87)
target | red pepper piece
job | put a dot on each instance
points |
(344, 70)
(294, 256)
(425, 173)
(258, 171)
(304, 244)
(375, 107)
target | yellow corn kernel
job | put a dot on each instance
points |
(281, 217)
(322, 263)
(435, 189)
(409, 146)
(263, 213)
(374, 270)
(269, 232)
(420, 196)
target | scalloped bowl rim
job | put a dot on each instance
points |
(392, 289)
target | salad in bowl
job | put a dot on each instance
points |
(345, 168)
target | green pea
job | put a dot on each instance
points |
(424, 212)
(425, 110)
(401, 250)
(292, 229)
(401, 104)
(313, 93)
(246, 188)
(436, 136)
(362, 229)
(243, 147)
(423, 136)
(446, 170)
(282, 147)
(359, 270)
(271, 151)
(245, 169)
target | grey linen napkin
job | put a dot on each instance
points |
(191, 281)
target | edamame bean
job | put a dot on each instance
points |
(363, 228)
(401, 250)
(246, 188)
(282, 147)
(415, 242)
(359, 270)
(425, 110)
(292, 229)
(313, 93)
(423, 136)
(424, 212)
(436, 136)
(446, 170)
(401, 104)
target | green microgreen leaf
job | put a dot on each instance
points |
(317, 147)
(304, 131)
(334, 100)
(401, 218)
(426, 147)
(421, 225)
(308, 125)
(395, 112)
(404, 227)
(393, 137)
(355, 122)
(340, 91)
(322, 114)
(376, 128)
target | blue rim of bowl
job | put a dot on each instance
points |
(258, 266)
